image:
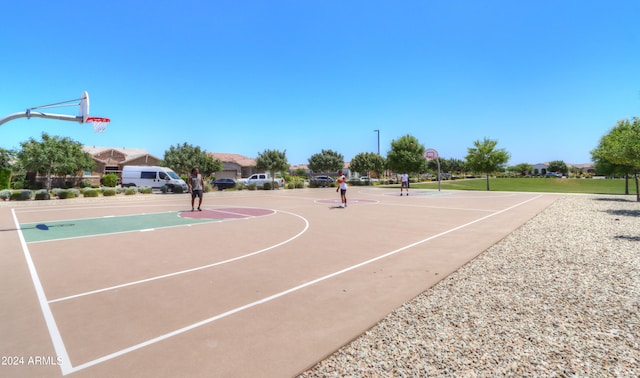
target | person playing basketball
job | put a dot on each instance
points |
(404, 178)
(342, 187)
(196, 187)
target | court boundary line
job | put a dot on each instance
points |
(286, 292)
(60, 349)
(52, 326)
(185, 271)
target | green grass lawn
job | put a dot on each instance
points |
(550, 185)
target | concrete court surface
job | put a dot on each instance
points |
(259, 284)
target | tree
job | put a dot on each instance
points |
(621, 146)
(367, 161)
(603, 167)
(558, 166)
(405, 155)
(522, 169)
(452, 165)
(183, 158)
(54, 156)
(485, 158)
(326, 161)
(272, 161)
(6, 156)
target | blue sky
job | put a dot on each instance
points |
(546, 78)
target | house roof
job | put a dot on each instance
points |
(129, 153)
(241, 160)
(94, 150)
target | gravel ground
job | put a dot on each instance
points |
(559, 297)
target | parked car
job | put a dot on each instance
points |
(224, 183)
(321, 181)
(261, 178)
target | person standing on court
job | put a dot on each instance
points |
(404, 182)
(196, 187)
(342, 187)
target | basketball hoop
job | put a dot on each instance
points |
(430, 154)
(99, 123)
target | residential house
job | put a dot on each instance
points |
(234, 166)
(542, 169)
(112, 159)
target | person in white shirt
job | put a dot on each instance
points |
(342, 180)
(196, 187)
(404, 178)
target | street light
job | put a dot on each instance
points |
(378, 131)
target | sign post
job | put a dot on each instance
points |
(432, 154)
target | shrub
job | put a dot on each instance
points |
(5, 178)
(296, 182)
(63, 193)
(252, 186)
(17, 181)
(5, 194)
(88, 192)
(130, 191)
(267, 185)
(240, 185)
(73, 192)
(42, 194)
(177, 189)
(86, 184)
(21, 195)
(145, 190)
(110, 180)
(108, 192)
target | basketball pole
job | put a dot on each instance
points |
(81, 117)
(432, 154)
(30, 114)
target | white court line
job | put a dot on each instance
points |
(202, 222)
(306, 227)
(54, 332)
(101, 217)
(241, 214)
(282, 293)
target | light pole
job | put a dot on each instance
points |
(378, 131)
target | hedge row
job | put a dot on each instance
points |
(43, 194)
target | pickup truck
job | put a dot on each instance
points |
(261, 178)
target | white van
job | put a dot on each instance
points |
(153, 176)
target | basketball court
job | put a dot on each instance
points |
(259, 283)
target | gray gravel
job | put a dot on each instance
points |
(559, 297)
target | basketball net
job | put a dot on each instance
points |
(99, 123)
